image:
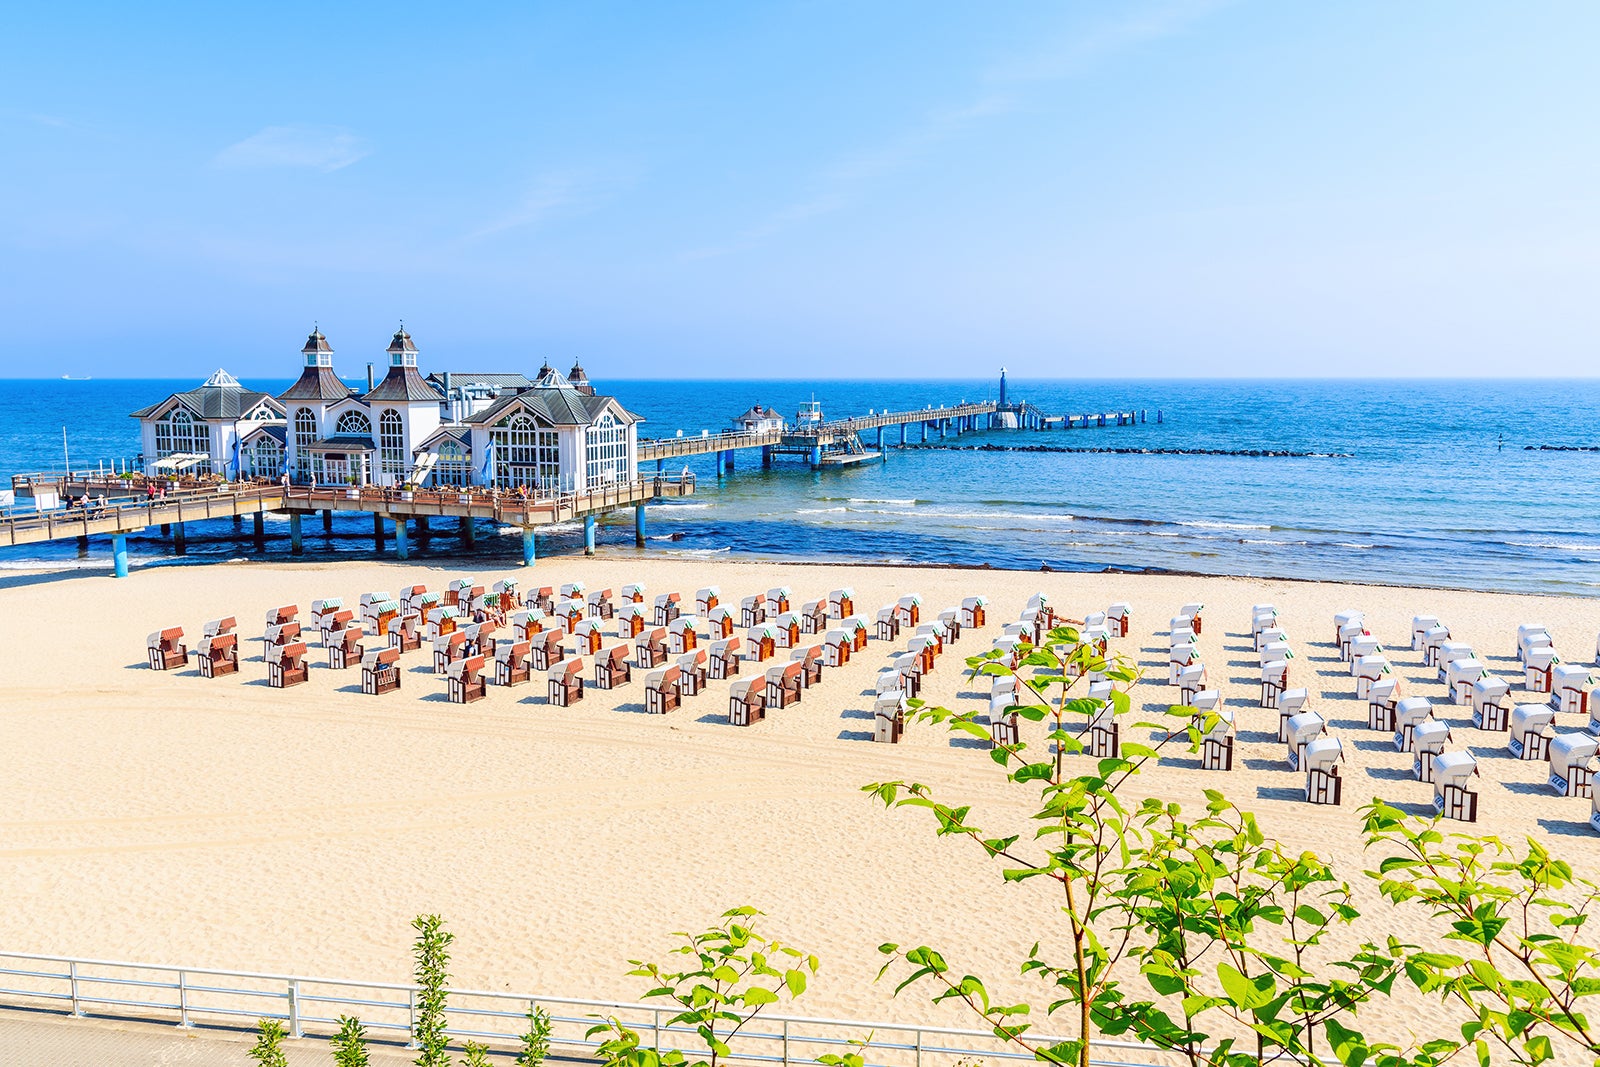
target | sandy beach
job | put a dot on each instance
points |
(164, 817)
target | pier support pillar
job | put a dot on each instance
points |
(260, 533)
(816, 456)
(588, 535)
(238, 522)
(727, 460)
(180, 540)
(660, 463)
(297, 544)
(766, 455)
(402, 545)
(638, 524)
(327, 520)
(944, 428)
(469, 536)
(902, 435)
(529, 552)
(166, 529)
(422, 525)
(377, 533)
(924, 433)
(119, 555)
(83, 546)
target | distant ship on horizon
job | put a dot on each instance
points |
(76, 378)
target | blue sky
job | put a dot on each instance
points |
(779, 190)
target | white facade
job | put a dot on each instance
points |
(198, 431)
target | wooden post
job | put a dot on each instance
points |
(469, 536)
(377, 532)
(179, 539)
(638, 524)
(327, 520)
(260, 531)
(297, 545)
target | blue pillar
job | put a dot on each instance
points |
(766, 455)
(296, 544)
(944, 428)
(638, 524)
(180, 541)
(588, 535)
(469, 534)
(659, 463)
(902, 435)
(402, 547)
(816, 455)
(119, 555)
(924, 433)
(529, 552)
(727, 460)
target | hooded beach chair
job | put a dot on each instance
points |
(586, 636)
(380, 671)
(1491, 703)
(857, 628)
(836, 648)
(511, 662)
(723, 658)
(681, 636)
(661, 693)
(565, 683)
(1005, 728)
(784, 684)
(408, 597)
(631, 619)
(447, 649)
(777, 601)
(813, 616)
(1452, 771)
(325, 616)
(1383, 696)
(1345, 618)
(668, 607)
(543, 597)
(458, 592)
(719, 621)
(841, 603)
(369, 608)
(598, 603)
(1531, 728)
(526, 623)
(974, 611)
(1538, 669)
(950, 619)
(787, 629)
(707, 598)
(442, 620)
(634, 592)
(345, 651)
(752, 610)
(611, 667)
(1410, 713)
(650, 648)
(406, 635)
(908, 610)
(1321, 758)
(1570, 684)
(1303, 729)
(888, 623)
(889, 717)
(692, 671)
(1572, 757)
(810, 659)
(218, 653)
(1461, 676)
(569, 613)
(286, 665)
(547, 648)
(507, 590)
(747, 701)
(762, 642)
(1428, 739)
(166, 649)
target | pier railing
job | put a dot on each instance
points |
(120, 516)
(705, 444)
(900, 418)
(310, 1007)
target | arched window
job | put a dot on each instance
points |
(391, 445)
(454, 466)
(606, 445)
(266, 456)
(305, 432)
(178, 434)
(353, 424)
(526, 454)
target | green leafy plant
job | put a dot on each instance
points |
(477, 1055)
(535, 1039)
(350, 1043)
(1522, 975)
(1216, 923)
(731, 973)
(268, 1049)
(431, 970)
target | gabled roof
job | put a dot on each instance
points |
(756, 414)
(405, 384)
(450, 431)
(275, 430)
(214, 401)
(317, 384)
(556, 406)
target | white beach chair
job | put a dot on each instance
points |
(1572, 758)
(1451, 798)
(1531, 728)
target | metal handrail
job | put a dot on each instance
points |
(295, 999)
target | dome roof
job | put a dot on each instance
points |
(316, 343)
(402, 343)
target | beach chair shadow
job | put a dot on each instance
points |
(855, 735)
(257, 681)
(1260, 737)
(1258, 764)
(715, 718)
(1483, 752)
(349, 688)
(854, 714)
(976, 743)
(1241, 702)
(633, 708)
(1188, 763)
(437, 698)
(1391, 774)
(1412, 807)
(1280, 792)
(1528, 789)
(1377, 744)
(1564, 828)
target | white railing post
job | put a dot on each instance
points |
(183, 999)
(786, 1043)
(294, 1010)
(655, 1028)
(72, 977)
(411, 1018)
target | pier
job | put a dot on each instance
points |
(840, 442)
(393, 511)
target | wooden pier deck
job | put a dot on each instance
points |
(120, 518)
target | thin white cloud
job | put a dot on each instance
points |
(323, 148)
(550, 196)
(840, 184)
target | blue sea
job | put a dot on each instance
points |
(1454, 484)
